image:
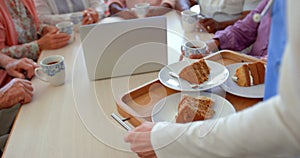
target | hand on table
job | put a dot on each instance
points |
(16, 91)
(126, 14)
(22, 68)
(209, 25)
(53, 40)
(157, 11)
(49, 28)
(140, 141)
(90, 16)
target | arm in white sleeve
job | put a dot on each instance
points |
(47, 16)
(99, 6)
(268, 129)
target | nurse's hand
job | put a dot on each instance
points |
(140, 141)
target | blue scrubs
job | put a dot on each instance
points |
(276, 47)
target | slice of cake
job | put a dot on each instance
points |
(250, 74)
(194, 109)
(243, 76)
(196, 73)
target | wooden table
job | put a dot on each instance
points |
(74, 120)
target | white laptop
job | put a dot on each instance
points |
(125, 47)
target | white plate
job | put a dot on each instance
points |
(218, 75)
(232, 87)
(167, 108)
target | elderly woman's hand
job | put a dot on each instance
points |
(16, 91)
(90, 16)
(209, 25)
(157, 11)
(22, 68)
(126, 14)
(48, 28)
(53, 40)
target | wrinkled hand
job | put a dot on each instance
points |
(209, 25)
(16, 91)
(53, 40)
(22, 68)
(157, 11)
(49, 28)
(90, 16)
(140, 141)
(126, 14)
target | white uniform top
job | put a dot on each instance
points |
(266, 130)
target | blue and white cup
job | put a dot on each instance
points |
(76, 19)
(189, 20)
(193, 47)
(141, 9)
(66, 27)
(52, 70)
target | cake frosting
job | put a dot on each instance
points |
(250, 74)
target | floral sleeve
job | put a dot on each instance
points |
(29, 50)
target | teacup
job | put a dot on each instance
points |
(189, 20)
(66, 27)
(52, 70)
(76, 19)
(141, 9)
(193, 47)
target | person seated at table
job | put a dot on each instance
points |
(20, 30)
(54, 11)
(244, 34)
(218, 14)
(268, 130)
(122, 7)
(18, 90)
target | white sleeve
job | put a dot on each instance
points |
(250, 4)
(47, 16)
(268, 129)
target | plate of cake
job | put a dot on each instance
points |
(246, 80)
(183, 107)
(193, 75)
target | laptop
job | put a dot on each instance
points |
(125, 47)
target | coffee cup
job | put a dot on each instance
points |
(66, 27)
(193, 47)
(141, 9)
(52, 70)
(189, 20)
